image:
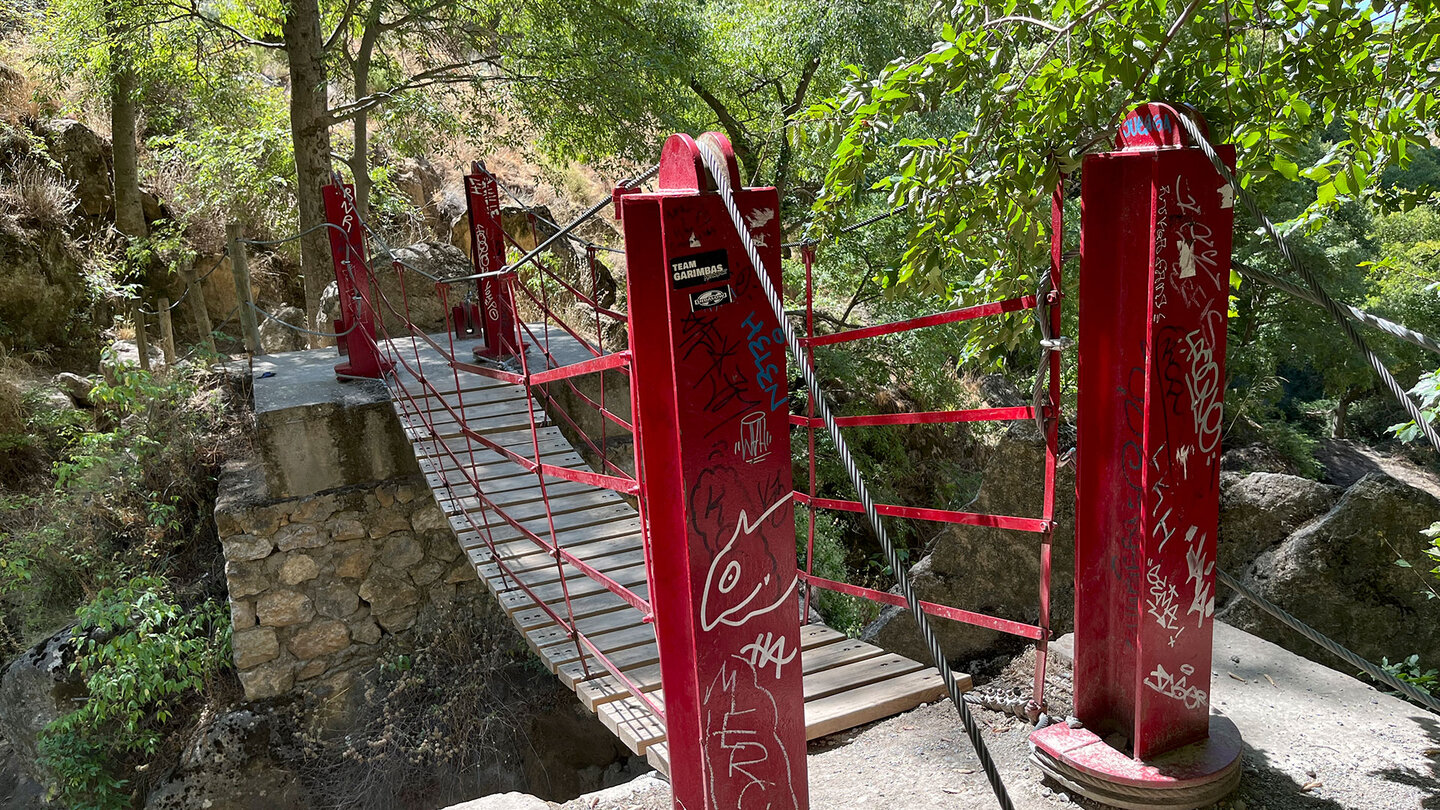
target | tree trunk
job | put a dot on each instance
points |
(360, 75)
(1339, 428)
(310, 132)
(129, 212)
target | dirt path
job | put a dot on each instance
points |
(1347, 462)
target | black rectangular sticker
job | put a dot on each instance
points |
(699, 268)
(707, 299)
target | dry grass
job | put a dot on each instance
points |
(37, 193)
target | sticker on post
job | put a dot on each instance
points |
(708, 299)
(700, 268)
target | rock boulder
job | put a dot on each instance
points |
(232, 764)
(42, 292)
(1339, 574)
(1260, 510)
(276, 337)
(35, 690)
(992, 571)
(85, 160)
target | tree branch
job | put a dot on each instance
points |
(444, 74)
(739, 140)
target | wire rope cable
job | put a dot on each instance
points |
(1342, 317)
(716, 165)
(1354, 313)
(1425, 699)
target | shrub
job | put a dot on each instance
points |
(141, 655)
(130, 491)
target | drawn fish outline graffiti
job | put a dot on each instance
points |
(731, 572)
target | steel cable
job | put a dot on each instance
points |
(1354, 313)
(1409, 690)
(292, 327)
(1342, 317)
(715, 163)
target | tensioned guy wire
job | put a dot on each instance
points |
(716, 164)
(1339, 313)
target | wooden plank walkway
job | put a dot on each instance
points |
(847, 682)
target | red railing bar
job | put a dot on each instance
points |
(938, 515)
(612, 482)
(635, 690)
(492, 373)
(595, 305)
(602, 363)
(550, 359)
(563, 325)
(953, 316)
(556, 409)
(1029, 631)
(921, 417)
(614, 587)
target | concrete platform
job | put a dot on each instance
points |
(316, 432)
(1314, 738)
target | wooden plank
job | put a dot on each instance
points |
(551, 576)
(578, 586)
(549, 437)
(886, 666)
(523, 491)
(474, 399)
(625, 660)
(633, 722)
(517, 440)
(658, 756)
(585, 606)
(541, 569)
(639, 639)
(868, 703)
(839, 653)
(624, 532)
(816, 645)
(595, 625)
(502, 532)
(523, 510)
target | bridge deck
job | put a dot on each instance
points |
(846, 682)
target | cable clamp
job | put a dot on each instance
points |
(1058, 344)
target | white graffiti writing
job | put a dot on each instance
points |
(1200, 574)
(765, 650)
(1204, 385)
(740, 716)
(1177, 687)
(754, 444)
(1164, 602)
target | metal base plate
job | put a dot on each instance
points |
(1192, 776)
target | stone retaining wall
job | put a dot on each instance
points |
(315, 582)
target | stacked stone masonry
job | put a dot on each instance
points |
(316, 582)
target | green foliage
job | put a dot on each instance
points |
(141, 655)
(130, 489)
(973, 133)
(848, 614)
(1427, 392)
(1410, 671)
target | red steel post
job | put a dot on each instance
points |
(1155, 243)
(352, 280)
(712, 432)
(487, 254)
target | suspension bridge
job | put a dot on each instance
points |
(665, 589)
